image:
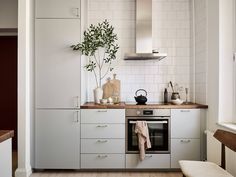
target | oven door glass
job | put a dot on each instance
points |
(158, 134)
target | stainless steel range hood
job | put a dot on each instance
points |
(144, 50)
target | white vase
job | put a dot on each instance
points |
(97, 92)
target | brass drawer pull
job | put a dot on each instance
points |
(102, 141)
(102, 156)
(185, 141)
(102, 126)
(185, 111)
(102, 111)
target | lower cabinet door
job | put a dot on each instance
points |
(103, 146)
(57, 139)
(184, 149)
(6, 158)
(152, 161)
(102, 161)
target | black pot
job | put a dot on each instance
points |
(141, 99)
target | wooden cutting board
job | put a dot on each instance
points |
(108, 89)
(116, 83)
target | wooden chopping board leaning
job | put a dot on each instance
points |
(116, 94)
(111, 89)
(108, 89)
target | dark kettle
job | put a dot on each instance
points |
(141, 99)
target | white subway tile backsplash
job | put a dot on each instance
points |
(171, 35)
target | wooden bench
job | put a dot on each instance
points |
(209, 169)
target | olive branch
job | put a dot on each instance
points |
(99, 45)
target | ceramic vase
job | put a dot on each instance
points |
(97, 92)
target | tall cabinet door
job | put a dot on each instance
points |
(57, 66)
(57, 8)
(57, 139)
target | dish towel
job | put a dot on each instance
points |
(141, 129)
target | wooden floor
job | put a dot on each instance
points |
(106, 174)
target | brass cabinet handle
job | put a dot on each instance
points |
(76, 101)
(102, 141)
(185, 110)
(148, 156)
(102, 111)
(102, 156)
(102, 126)
(185, 141)
(76, 117)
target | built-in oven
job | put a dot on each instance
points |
(158, 123)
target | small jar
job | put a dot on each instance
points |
(110, 100)
(116, 98)
(175, 95)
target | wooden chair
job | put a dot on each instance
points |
(209, 169)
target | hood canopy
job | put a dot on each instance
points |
(144, 50)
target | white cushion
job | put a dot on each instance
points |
(202, 169)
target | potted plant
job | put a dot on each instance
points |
(100, 47)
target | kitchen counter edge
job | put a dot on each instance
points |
(6, 134)
(122, 105)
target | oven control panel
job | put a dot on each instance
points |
(147, 112)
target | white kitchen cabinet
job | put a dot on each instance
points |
(185, 123)
(57, 139)
(184, 149)
(57, 66)
(102, 161)
(57, 8)
(103, 146)
(103, 131)
(102, 138)
(6, 158)
(151, 161)
(102, 116)
(185, 135)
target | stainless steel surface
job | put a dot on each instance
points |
(145, 56)
(144, 50)
(140, 112)
(151, 122)
(158, 116)
(143, 26)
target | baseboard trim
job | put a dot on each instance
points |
(23, 172)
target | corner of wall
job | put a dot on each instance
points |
(22, 172)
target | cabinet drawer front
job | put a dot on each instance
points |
(103, 146)
(102, 116)
(150, 161)
(102, 161)
(102, 130)
(57, 9)
(184, 149)
(185, 123)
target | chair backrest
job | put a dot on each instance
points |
(227, 139)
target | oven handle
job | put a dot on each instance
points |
(150, 122)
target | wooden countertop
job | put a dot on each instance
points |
(167, 106)
(122, 105)
(6, 134)
(92, 105)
